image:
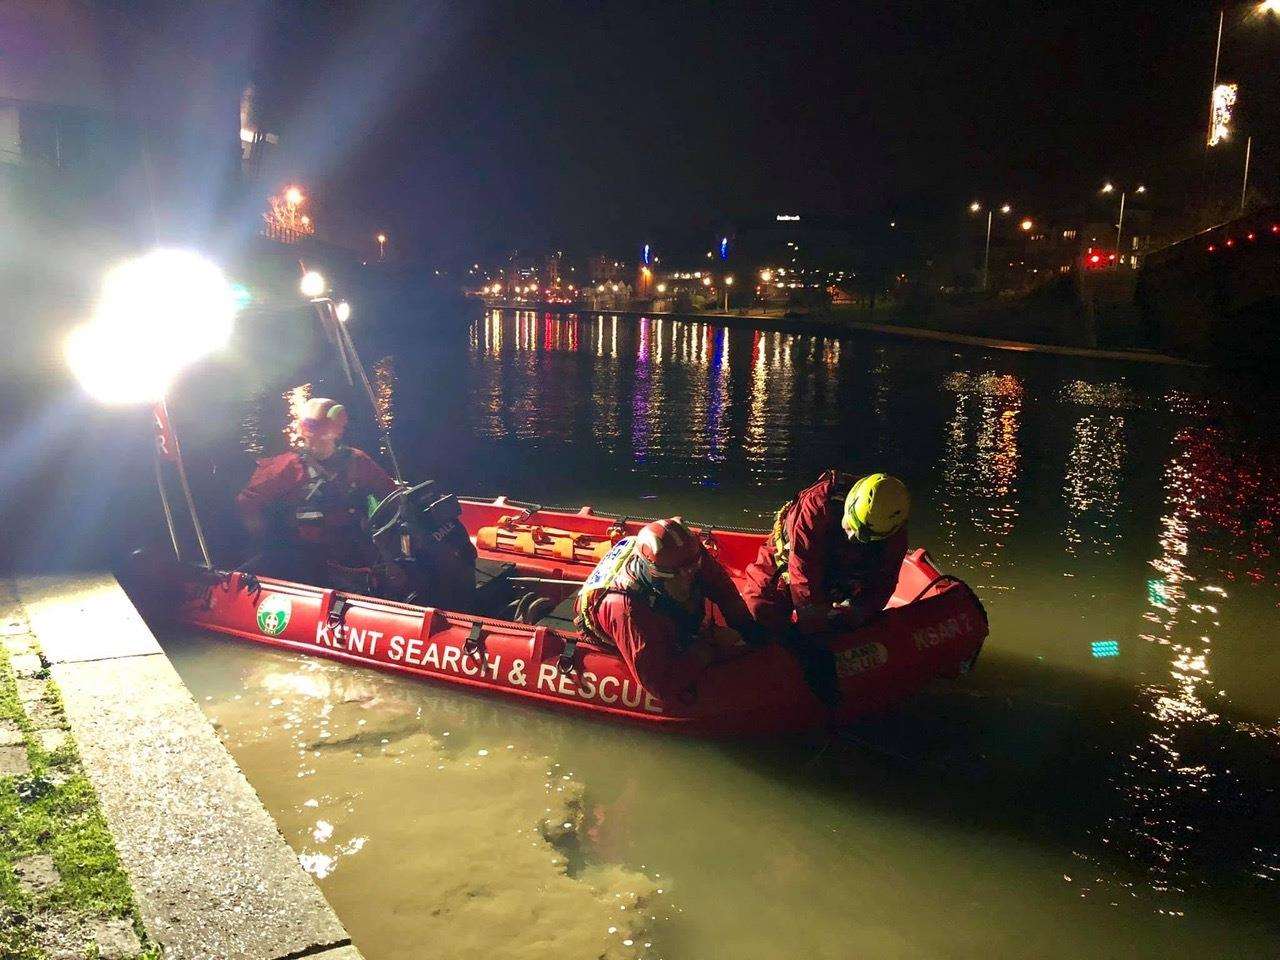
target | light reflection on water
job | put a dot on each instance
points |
(1131, 799)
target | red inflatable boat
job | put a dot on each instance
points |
(933, 627)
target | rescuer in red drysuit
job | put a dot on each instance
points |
(305, 507)
(833, 558)
(648, 598)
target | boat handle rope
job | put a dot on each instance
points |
(338, 610)
(473, 646)
(566, 663)
(940, 578)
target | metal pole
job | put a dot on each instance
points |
(1119, 228)
(1217, 57)
(986, 257)
(1244, 189)
(345, 339)
(164, 502)
(186, 487)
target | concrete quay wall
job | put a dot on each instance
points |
(212, 875)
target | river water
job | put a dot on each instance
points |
(1105, 784)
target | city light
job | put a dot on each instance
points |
(766, 275)
(1026, 225)
(293, 196)
(1224, 101)
(706, 281)
(313, 284)
(156, 316)
(662, 288)
(975, 207)
(1006, 209)
(728, 281)
(343, 311)
(1141, 189)
(306, 221)
(1268, 6)
(1108, 187)
(381, 238)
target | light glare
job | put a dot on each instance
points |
(313, 284)
(343, 311)
(156, 315)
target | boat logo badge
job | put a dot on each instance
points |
(273, 614)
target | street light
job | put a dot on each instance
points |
(766, 275)
(313, 285)
(1026, 225)
(1110, 187)
(728, 282)
(976, 207)
(382, 245)
(343, 311)
(293, 196)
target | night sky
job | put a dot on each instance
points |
(476, 127)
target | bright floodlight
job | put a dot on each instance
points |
(156, 316)
(313, 284)
(343, 310)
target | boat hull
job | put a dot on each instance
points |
(934, 627)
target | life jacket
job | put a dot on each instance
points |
(328, 500)
(611, 576)
(781, 538)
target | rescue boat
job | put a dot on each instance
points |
(933, 626)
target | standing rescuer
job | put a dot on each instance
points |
(648, 597)
(833, 558)
(305, 507)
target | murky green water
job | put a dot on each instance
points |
(1104, 785)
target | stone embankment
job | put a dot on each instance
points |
(108, 771)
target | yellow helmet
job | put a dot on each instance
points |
(876, 508)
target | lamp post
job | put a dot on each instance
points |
(333, 315)
(976, 207)
(382, 246)
(728, 282)
(1244, 187)
(1109, 187)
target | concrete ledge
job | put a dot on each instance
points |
(84, 618)
(212, 875)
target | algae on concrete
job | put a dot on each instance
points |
(62, 890)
